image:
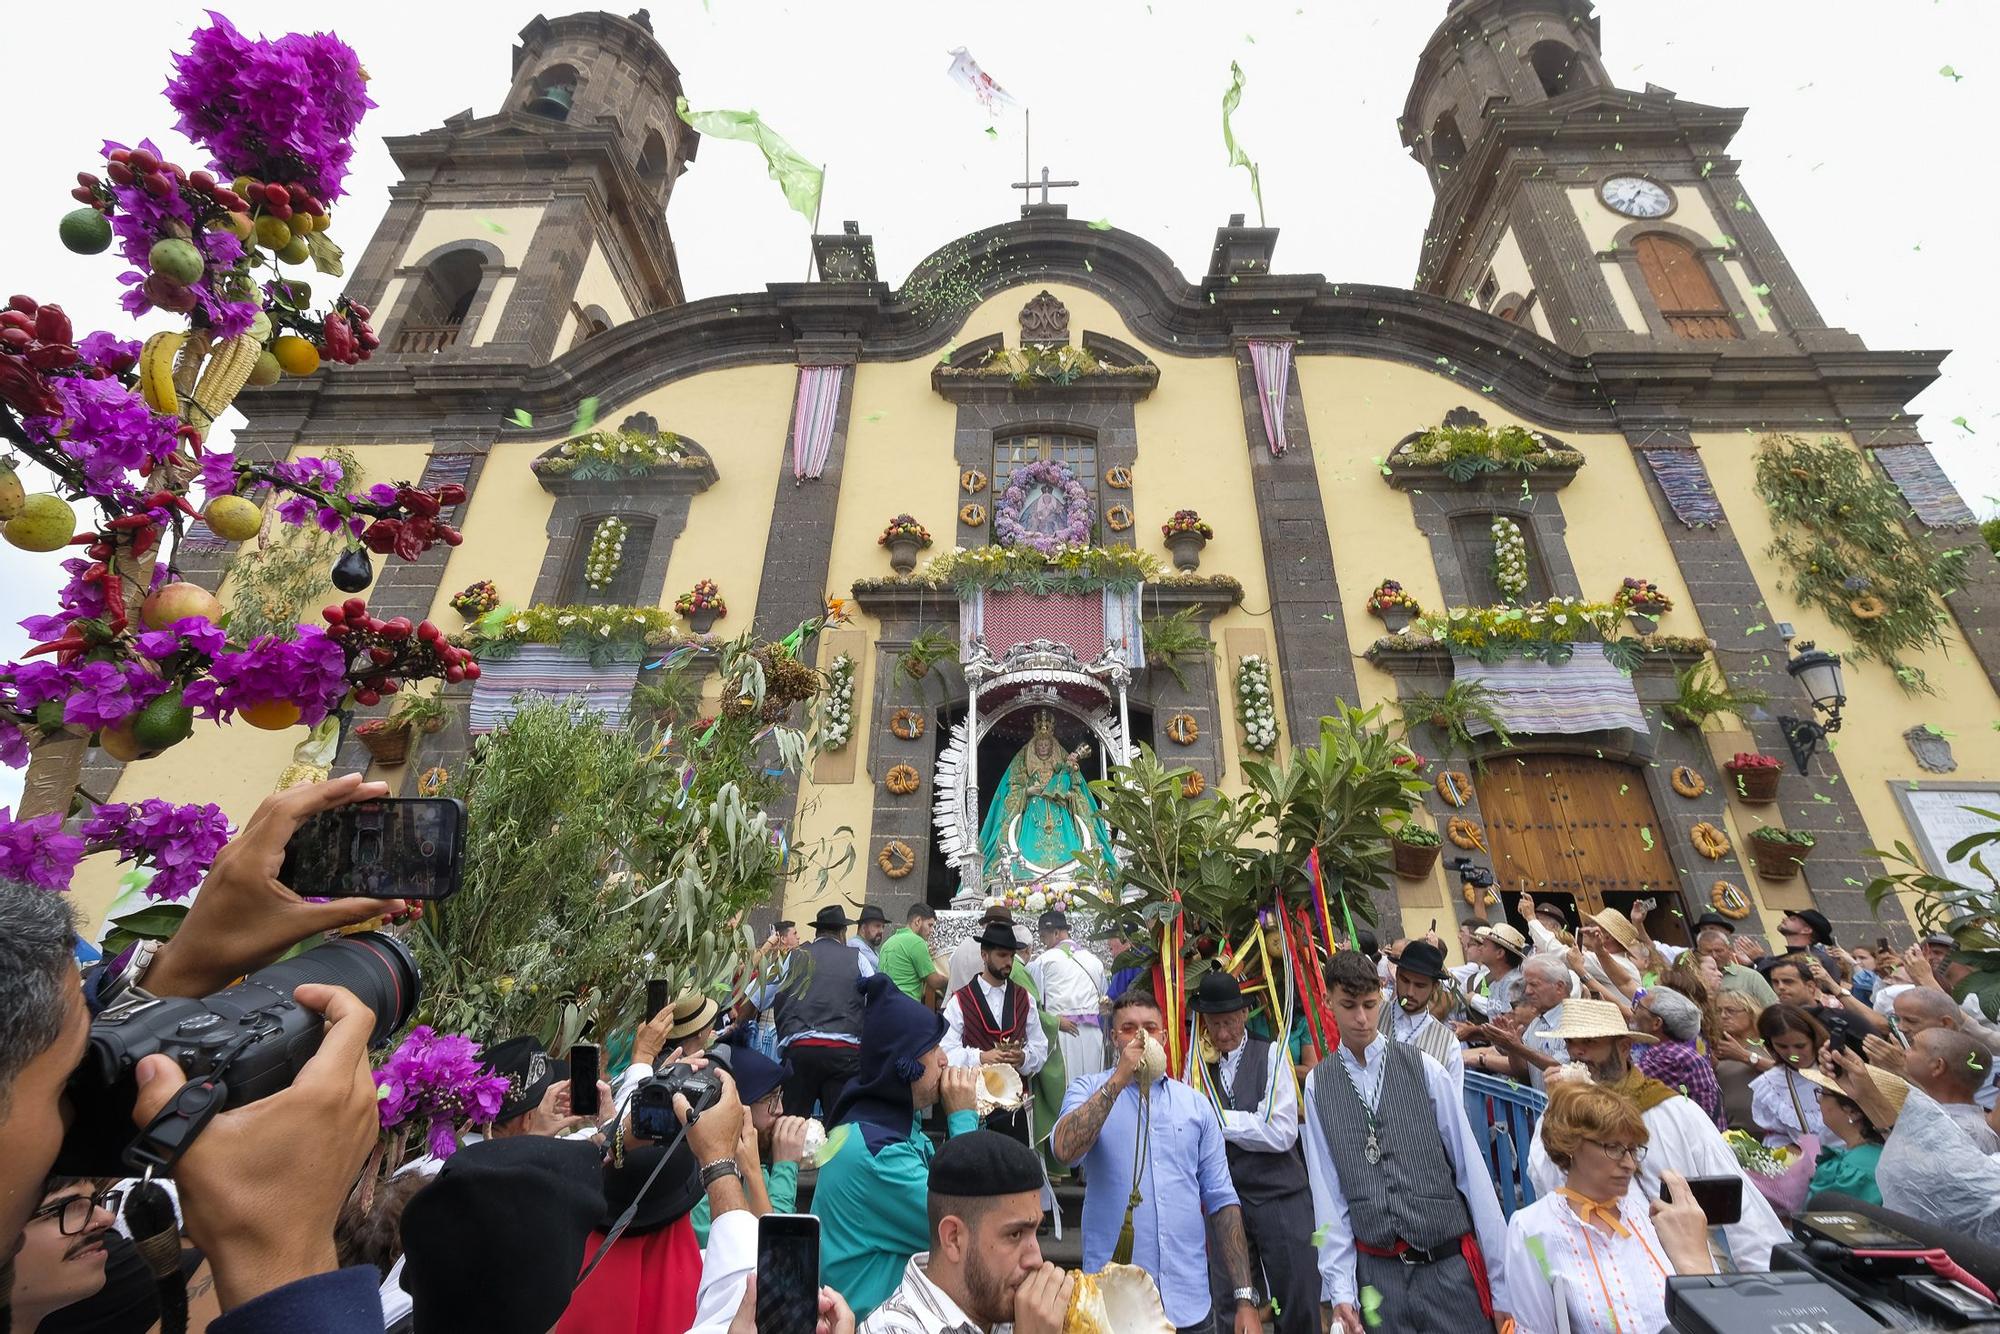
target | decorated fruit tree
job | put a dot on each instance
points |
(133, 655)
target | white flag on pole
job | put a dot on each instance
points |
(966, 73)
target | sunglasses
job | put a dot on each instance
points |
(73, 1212)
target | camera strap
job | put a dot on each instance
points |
(632, 1209)
(167, 1136)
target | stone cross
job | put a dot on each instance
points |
(1045, 185)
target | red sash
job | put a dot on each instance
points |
(1468, 1246)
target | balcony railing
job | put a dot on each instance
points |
(426, 337)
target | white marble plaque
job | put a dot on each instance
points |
(1939, 816)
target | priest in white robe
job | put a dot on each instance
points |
(1072, 983)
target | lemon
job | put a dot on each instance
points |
(296, 355)
(45, 523)
(233, 517)
(273, 715)
(273, 233)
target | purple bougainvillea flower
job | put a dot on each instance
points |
(107, 353)
(13, 745)
(104, 694)
(37, 852)
(178, 842)
(437, 1079)
(105, 427)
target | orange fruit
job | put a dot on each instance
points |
(273, 715)
(296, 355)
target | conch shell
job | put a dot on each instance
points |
(999, 1087)
(815, 1139)
(1117, 1299)
(1153, 1065)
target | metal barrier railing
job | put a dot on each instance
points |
(1503, 1115)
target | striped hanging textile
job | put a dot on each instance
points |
(1585, 694)
(1684, 480)
(1915, 471)
(1273, 363)
(812, 420)
(555, 673)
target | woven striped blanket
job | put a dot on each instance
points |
(1585, 694)
(553, 673)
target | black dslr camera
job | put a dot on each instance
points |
(653, 1104)
(241, 1044)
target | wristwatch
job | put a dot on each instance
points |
(1245, 1295)
(720, 1168)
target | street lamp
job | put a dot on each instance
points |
(1819, 672)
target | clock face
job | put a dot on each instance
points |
(1636, 197)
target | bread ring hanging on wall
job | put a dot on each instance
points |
(972, 516)
(972, 481)
(1687, 782)
(1118, 518)
(903, 779)
(1730, 900)
(1466, 834)
(1118, 478)
(896, 859)
(1473, 896)
(1709, 841)
(1454, 787)
(907, 724)
(1182, 729)
(1193, 785)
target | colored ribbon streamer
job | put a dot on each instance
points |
(798, 178)
(1271, 361)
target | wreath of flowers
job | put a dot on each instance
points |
(1729, 900)
(1466, 834)
(1709, 841)
(1118, 518)
(475, 600)
(1687, 782)
(1454, 787)
(1118, 478)
(1193, 785)
(1254, 707)
(836, 711)
(907, 724)
(1183, 729)
(902, 780)
(972, 515)
(606, 554)
(1510, 558)
(896, 859)
(972, 481)
(1075, 531)
(432, 780)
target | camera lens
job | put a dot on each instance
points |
(378, 969)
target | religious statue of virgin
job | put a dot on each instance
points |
(1042, 816)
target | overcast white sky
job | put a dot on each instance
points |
(1865, 160)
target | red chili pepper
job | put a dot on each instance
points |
(71, 641)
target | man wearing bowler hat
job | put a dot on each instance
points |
(818, 1012)
(993, 1020)
(870, 929)
(1253, 1081)
(1418, 973)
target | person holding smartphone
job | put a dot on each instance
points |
(1595, 1248)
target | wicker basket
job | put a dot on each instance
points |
(1757, 786)
(1776, 861)
(389, 745)
(1414, 860)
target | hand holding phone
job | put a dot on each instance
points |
(658, 997)
(1719, 1197)
(583, 1065)
(392, 847)
(787, 1274)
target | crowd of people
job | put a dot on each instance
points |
(928, 1104)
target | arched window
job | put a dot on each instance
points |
(1447, 144)
(436, 314)
(653, 160)
(1559, 68)
(1682, 288)
(553, 93)
(621, 589)
(590, 322)
(1079, 452)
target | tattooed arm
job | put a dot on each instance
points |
(1076, 1133)
(1235, 1247)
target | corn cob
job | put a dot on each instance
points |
(228, 370)
(187, 366)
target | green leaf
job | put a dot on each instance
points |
(325, 255)
(158, 922)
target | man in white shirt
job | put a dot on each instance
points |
(1253, 1081)
(1418, 972)
(993, 1020)
(870, 929)
(1545, 985)
(1072, 985)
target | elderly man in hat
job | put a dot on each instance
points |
(984, 1269)
(870, 930)
(818, 1013)
(1253, 1081)
(872, 1187)
(1072, 985)
(1500, 950)
(1400, 1185)
(1536, 1049)
(1419, 972)
(1680, 1136)
(685, 1026)
(1715, 940)
(993, 1020)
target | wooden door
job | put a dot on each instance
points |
(1682, 289)
(1579, 827)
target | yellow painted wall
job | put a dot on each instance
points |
(1622, 295)
(505, 528)
(1759, 307)
(599, 286)
(1510, 266)
(496, 307)
(509, 230)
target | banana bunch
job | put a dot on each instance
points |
(156, 371)
(189, 375)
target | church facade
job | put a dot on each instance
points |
(1591, 383)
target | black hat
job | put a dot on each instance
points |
(1218, 994)
(671, 1197)
(1822, 930)
(872, 912)
(528, 1069)
(832, 917)
(756, 1074)
(1714, 919)
(1422, 958)
(984, 1163)
(1055, 919)
(476, 1258)
(998, 936)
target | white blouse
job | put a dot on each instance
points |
(1609, 1284)
(1786, 1106)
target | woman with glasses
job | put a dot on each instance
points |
(1783, 1104)
(1595, 1248)
(1848, 1165)
(61, 1260)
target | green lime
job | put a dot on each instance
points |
(86, 231)
(163, 722)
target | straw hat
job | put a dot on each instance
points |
(1617, 926)
(692, 1013)
(1890, 1085)
(1506, 936)
(1594, 1019)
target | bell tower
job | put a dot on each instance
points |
(517, 236)
(1602, 218)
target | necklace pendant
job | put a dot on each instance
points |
(1373, 1150)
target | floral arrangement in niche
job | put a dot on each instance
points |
(1539, 631)
(1032, 490)
(606, 554)
(590, 628)
(1510, 558)
(1388, 596)
(1464, 452)
(704, 596)
(903, 528)
(1643, 597)
(435, 1081)
(610, 454)
(475, 600)
(1056, 365)
(1254, 705)
(1068, 569)
(1187, 521)
(836, 711)
(1045, 896)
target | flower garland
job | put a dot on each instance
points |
(606, 554)
(617, 454)
(1057, 476)
(836, 713)
(1510, 558)
(541, 624)
(1254, 706)
(438, 1080)
(1044, 896)
(1466, 451)
(1066, 569)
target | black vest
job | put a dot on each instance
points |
(1260, 1175)
(827, 1000)
(1412, 1193)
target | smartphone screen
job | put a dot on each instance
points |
(658, 997)
(583, 1079)
(1720, 1198)
(395, 848)
(787, 1274)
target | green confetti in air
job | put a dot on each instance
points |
(1762, 289)
(1963, 425)
(1646, 836)
(1623, 788)
(992, 132)
(873, 417)
(1755, 628)
(835, 1141)
(1707, 167)
(1087, 267)
(1743, 206)
(492, 226)
(1541, 1256)
(1371, 1306)
(1319, 1235)
(521, 417)
(1101, 225)
(586, 415)
(1951, 74)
